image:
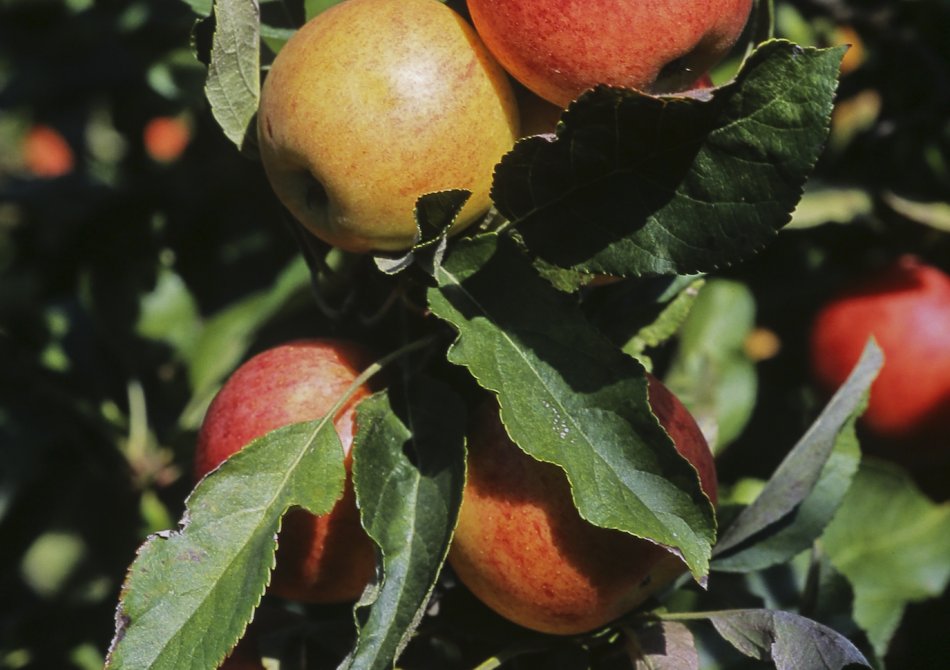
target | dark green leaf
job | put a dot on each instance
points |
(677, 185)
(191, 592)
(802, 495)
(409, 507)
(666, 645)
(234, 80)
(569, 396)
(435, 213)
(893, 545)
(761, 21)
(790, 641)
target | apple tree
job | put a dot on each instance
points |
(638, 235)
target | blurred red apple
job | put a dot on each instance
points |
(166, 138)
(523, 549)
(46, 153)
(326, 558)
(560, 48)
(906, 307)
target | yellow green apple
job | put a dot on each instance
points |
(374, 103)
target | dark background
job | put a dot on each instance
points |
(97, 406)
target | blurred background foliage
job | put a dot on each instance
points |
(142, 257)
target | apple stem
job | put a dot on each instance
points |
(377, 366)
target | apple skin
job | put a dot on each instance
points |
(560, 48)
(522, 548)
(374, 103)
(906, 307)
(320, 559)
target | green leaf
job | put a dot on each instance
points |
(190, 593)
(637, 185)
(831, 205)
(761, 21)
(933, 214)
(200, 7)
(226, 337)
(892, 543)
(233, 87)
(669, 321)
(802, 495)
(710, 371)
(435, 213)
(409, 507)
(314, 7)
(664, 645)
(568, 396)
(790, 641)
(169, 313)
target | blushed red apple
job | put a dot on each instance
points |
(560, 48)
(326, 558)
(523, 549)
(374, 103)
(906, 307)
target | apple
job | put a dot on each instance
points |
(372, 104)
(906, 307)
(166, 138)
(46, 153)
(559, 49)
(322, 559)
(537, 115)
(522, 548)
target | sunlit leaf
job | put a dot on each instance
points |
(893, 545)
(409, 506)
(226, 336)
(234, 81)
(569, 396)
(710, 371)
(669, 321)
(802, 495)
(190, 593)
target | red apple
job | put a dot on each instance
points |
(166, 138)
(46, 153)
(326, 558)
(523, 549)
(560, 48)
(906, 307)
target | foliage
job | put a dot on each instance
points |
(130, 288)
